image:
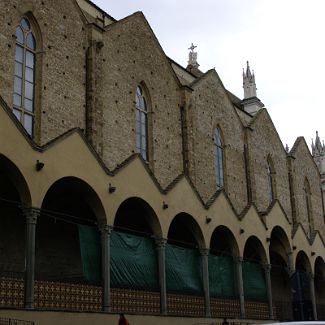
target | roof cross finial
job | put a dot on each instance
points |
(192, 57)
(192, 47)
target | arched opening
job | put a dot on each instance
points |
(223, 273)
(300, 282)
(14, 194)
(136, 216)
(319, 283)
(280, 279)
(68, 249)
(134, 260)
(255, 289)
(183, 265)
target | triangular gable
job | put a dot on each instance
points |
(212, 73)
(277, 217)
(263, 113)
(300, 144)
(300, 239)
(318, 246)
(139, 16)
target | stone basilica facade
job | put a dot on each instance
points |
(129, 183)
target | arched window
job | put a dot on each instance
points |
(218, 158)
(24, 79)
(308, 205)
(270, 181)
(141, 129)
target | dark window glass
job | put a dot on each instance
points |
(19, 35)
(141, 124)
(270, 183)
(31, 41)
(218, 158)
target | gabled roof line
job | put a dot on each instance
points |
(140, 13)
(240, 216)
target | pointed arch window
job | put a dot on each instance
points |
(308, 204)
(24, 78)
(218, 158)
(141, 130)
(270, 181)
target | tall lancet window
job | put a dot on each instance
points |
(141, 123)
(218, 158)
(24, 79)
(308, 204)
(270, 182)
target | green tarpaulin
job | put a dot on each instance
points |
(254, 282)
(133, 262)
(222, 277)
(90, 251)
(183, 270)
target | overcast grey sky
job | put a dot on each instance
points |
(282, 39)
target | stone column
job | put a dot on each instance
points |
(161, 249)
(205, 277)
(267, 271)
(31, 220)
(105, 231)
(312, 294)
(240, 283)
(290, 265)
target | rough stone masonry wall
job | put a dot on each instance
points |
(209, 108)
(303, 166)
(130, 57)
(263, 141)
(61, 40)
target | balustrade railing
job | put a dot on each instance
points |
(11, 321)
(12, 289)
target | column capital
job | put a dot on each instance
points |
(31, 215)
(239, 259)
(311, 276)
(267, 267)
(204, 251)
(161, 242)
(105, 229)
(290, 271)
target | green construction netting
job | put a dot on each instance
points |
(133, 262)
(183, 270)
(254, 282)
(222, 277)
(90, 251)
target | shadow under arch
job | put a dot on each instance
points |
(67, 236)
(73, 197)
(254, 261)
(223, 274)
(14, 195)
(185, 231)
(254, 250)
(319, 284)
(223, 242)
(183, 256)
(135, 215)
(280, 278)
(300, 281)
(12, 183)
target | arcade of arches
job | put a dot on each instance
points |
(65, 256)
